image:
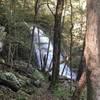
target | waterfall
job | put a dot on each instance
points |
(41, 44)
(2, 29)
(1, 46)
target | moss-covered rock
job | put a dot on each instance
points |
(10, 77)
(37, 74)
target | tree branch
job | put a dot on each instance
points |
(50, 8)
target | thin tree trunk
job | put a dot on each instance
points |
(63, 68)
(40, 50)
(71, 43)
(34, 22)
(80, 86)
(56, 41)
(50, 66)
(81, 77)
(45, 58)
(81, 65)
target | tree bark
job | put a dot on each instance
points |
(57, 40)
(36, 9)
(92, 49)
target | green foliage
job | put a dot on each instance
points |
(14, 14)
(60, 92)
(2, 35)
(21, 97)
(84, 94)
(38, 75)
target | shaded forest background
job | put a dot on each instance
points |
(17, 58)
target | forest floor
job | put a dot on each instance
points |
(41, 93)
(29, 91)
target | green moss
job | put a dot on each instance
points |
(37, 74)
(21, 98)
(59, 91)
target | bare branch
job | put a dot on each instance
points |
(50, 8)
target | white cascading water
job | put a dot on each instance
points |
(41, 43)
(1, 46)
(2, 29)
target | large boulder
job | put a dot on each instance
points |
(30, 71)
(10, 80)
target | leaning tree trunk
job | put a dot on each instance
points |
(81, 78)
(56, 44)
(92, 49)
(79, 87)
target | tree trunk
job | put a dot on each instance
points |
(32, 40)
(92, 49)
(81, 77)
(56, 44)
(80, 86)
(82, 66)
